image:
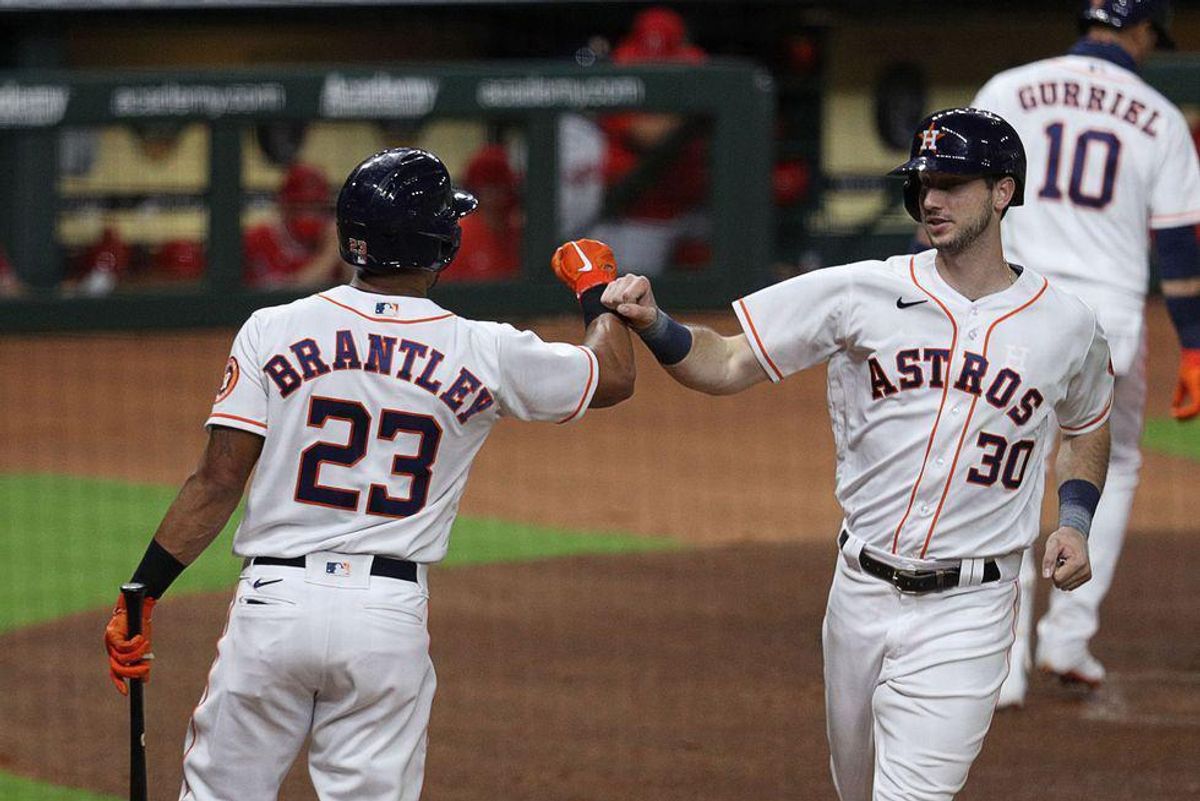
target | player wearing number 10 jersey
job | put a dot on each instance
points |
(1110, 159)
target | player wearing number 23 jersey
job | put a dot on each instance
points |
(397, 390)
(359, 411)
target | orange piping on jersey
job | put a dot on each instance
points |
(587, 387)
(1094, 420)
(386, 319)
(1016, 614)
(758, 339)
(1183, 215)
(240, 419)
(941, 404)
(971, 412)
(204, 695)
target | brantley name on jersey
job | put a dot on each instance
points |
(1089, 97)
(420, 364)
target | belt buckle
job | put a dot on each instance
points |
(910, 581)
(905, 580)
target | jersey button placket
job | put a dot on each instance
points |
(951, 429)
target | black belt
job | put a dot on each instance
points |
(917, 581)
(380, 566)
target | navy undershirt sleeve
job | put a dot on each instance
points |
(1179, 259)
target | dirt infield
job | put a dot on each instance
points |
(685, 675)
(693, 675)
(758, 466)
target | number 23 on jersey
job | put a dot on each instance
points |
(392, 422)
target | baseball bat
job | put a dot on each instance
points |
(134, 594)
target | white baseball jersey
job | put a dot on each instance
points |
(941, 406)
(1119, 160)
(373, 407)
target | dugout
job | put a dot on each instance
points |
(82, 150)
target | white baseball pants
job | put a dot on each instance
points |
(1074, 617)
(911, 682)
(344, 658)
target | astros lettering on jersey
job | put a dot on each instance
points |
(941, 406)
(347, 369)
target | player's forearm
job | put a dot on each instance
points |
(609, 339)
(210, 494)
(714, 365)
(196, 517)
(1084, 457)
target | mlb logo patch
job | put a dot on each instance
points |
(337, 568)
(388, 309)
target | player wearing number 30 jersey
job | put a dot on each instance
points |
(948, 374)
(360, 410)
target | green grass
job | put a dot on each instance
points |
(1173, 438)
(13, 788)
(67, 543)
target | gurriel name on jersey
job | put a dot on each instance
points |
(419, 364)
(1090, 97)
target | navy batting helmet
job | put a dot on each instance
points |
(962, 141)
(398, 210)
(1124, 14)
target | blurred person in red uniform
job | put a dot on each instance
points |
(301, 249)
(100, 267)
(670, 212)
(180, 260)
(11, 285)
(491, 237)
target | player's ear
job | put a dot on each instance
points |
(1002, 193)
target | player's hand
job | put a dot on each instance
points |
(128, 658)
(584, 263)
(1186, 403)
(1066, 560)
(632, 297)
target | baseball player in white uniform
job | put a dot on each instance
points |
(944, 393)
(1110, 159)
(359, 410)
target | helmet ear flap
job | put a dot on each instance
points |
(450, 248)
(912, 197)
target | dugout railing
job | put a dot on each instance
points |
(735, 101)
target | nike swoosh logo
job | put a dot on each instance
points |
(900, 304)
(587, 263)
(264, 582)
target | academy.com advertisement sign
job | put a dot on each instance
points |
(47, 99)
(171, 99)
(543, 92)
(32, 105)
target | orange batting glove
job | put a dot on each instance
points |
(128, 658)
(1186, 403)
(584, 263)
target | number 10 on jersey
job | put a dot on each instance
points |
(1089, 145)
